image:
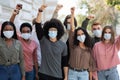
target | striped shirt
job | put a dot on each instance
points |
(30, 54)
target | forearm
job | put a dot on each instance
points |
(21, 57)
(36, 67)
(66, 73)
(38, 18)
(39, 31)
(90, 75)
(72, 23)
(12, 18)
(85, 23)
(55, 14)
(35, 61)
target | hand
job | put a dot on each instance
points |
(43, 7)
(37, 77)
(72, 10)
(58, 7)
(65, 79)
(16, 11)
(90, 17)
(19, 6)
(23, 78)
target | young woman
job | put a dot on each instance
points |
(106, 55)
(11, 54)
(29, 51)
(29, 47)
(81, 62)
(53, 50)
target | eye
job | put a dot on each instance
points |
(98, 28)
(94, 28)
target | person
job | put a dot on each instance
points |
(34, 37)
(29, 50)
(66, 28)
(53, 50)
(80, 51)
(105, 54)
(15, 18)
(96, 29)
(67, 22)
(11, 54)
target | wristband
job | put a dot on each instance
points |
(40, 10)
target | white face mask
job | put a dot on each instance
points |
(97, 33)
(68, 26)
(81, 38)
(107, 36)
(52, 34)
(26, 36)
(8, 34)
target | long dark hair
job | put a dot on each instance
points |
(56, 24)
(11, 24)
(87, 42)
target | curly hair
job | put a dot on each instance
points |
(55, 23)
(25, 25)
(88, 40)
(68, 17)
(11, 24)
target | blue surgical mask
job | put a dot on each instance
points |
(26, 36)
(8, 34)
(107, 36)
(52, 34)
(81, 38)
(97, 33)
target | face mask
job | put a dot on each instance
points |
(81, 38)
(52, 34)
(8, 34)
(107, 36)
(97, 33)
(68, 26)
(26, 36)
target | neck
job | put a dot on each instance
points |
(53, 39)
(9, 41)
(6, 39)
(107, 41)
(26, 40)
(82, 45)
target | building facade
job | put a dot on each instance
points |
(29, 11)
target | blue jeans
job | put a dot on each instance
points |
(11, 72)
(110, 74)
(75, 75)
(29, 75)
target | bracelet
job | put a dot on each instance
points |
(40, 10)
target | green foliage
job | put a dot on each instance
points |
(113, 2)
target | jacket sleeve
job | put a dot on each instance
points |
(39, 30)
(85, 23)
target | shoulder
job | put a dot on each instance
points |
(17, 41)
(18, 44)
(34, 43)
(100, 43)
(62, 44)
